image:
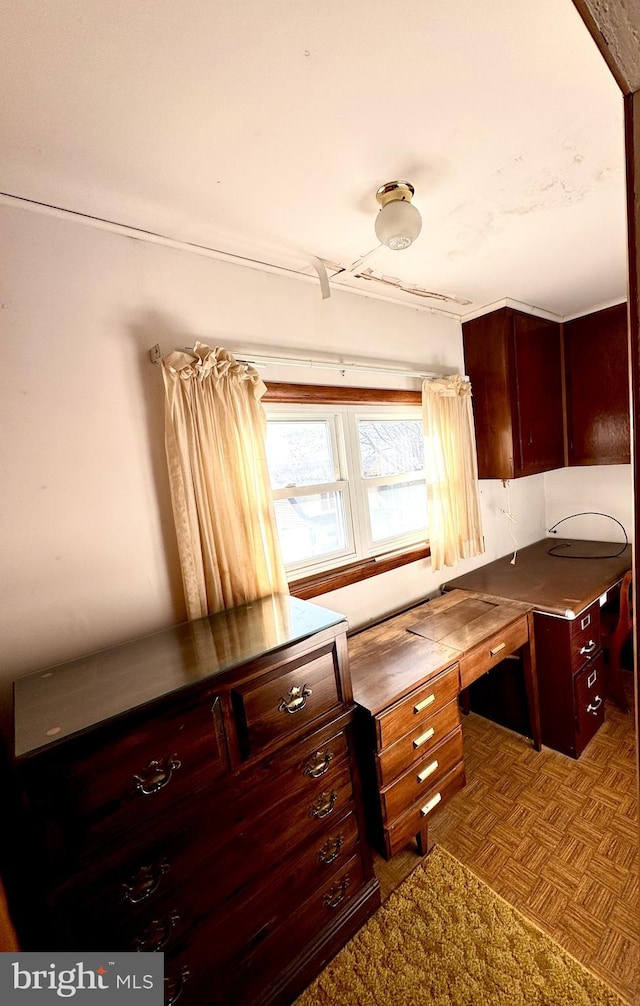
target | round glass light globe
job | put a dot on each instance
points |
(398, 224)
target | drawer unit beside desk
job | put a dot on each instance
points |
(412, 761)
(220, 822)
(571, 676)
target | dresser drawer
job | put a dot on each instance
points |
(416, 708)
(422, 777)
(484, 657)
(417, 744)
(404, 828)
(279, 705)
(584, 632)
(115, 782)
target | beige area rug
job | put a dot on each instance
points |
(444, 938)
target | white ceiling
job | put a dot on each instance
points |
(262, 128)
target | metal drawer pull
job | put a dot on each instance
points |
(423, 738)
(496, 649)
(145, 882)
(429, 770)
(156, 935)
(595, 705)
(337, 893)
(156, 776)
(331, 850)
(173, 987)
(589, 648)
(324, 804)
(318, 764)
(295, 700)
(425, 702)
(433, 802)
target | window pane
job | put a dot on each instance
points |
(310, 526)
(390, 447)
(397, 509)
(299, 453)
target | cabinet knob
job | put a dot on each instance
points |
(174, 987)
(318, 764)
(156, 776)
(331, 850)
(145, 882)
(336, 894)
(324, 804)
(156, 935)
(295, 700)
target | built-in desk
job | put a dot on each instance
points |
(407, 673)
(565, 581)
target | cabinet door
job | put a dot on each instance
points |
(597, 387)
(486, 341)
(539, 436)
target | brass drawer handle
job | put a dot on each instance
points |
(174, 987)
(145, 882)
(318, 764)
(433, 802)
(589, 648)
(336, 894)
(595, 705)
(295, 700)
(156, 776)
(429, 770)
(496, 649)
(324, 804)
(423, 738)
(156, 935)
(425, 702)
(331, 850)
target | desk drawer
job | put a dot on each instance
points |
(589, 685)
(422, 777)
(493, 651)
(417, 744)
(404, 828)
(584, 634)
(417, 707)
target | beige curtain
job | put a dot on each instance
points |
(451, 470)
(215, 442)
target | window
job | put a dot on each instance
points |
(347, 481)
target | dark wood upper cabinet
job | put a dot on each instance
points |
(514, 362)
(597, 386)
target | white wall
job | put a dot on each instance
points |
(604, 488)
(87, 548)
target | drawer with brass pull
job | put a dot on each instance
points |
(285, 702)
(417, 707)
(584, 633)
(417, 743)
(403, 828)
(480, 660)
(421, 776)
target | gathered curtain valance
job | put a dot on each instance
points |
(451, 471)
(215, 444)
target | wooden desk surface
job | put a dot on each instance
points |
(389, 660)
(559, 586)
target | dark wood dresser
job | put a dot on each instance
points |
(195, 792)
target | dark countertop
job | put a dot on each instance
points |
(61, 701)
(556, 585)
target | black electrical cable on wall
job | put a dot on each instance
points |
(586, 513)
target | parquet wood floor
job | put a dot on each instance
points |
(557, 838)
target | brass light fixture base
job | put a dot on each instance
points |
(391, 191)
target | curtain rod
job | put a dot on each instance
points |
(280, 361)
(257, 360)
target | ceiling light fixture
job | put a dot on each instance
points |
(398, 223)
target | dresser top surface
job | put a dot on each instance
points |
(59, 702)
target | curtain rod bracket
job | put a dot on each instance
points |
(154, 353)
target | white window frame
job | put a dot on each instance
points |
(344, 421)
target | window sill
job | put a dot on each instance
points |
(333, 579)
